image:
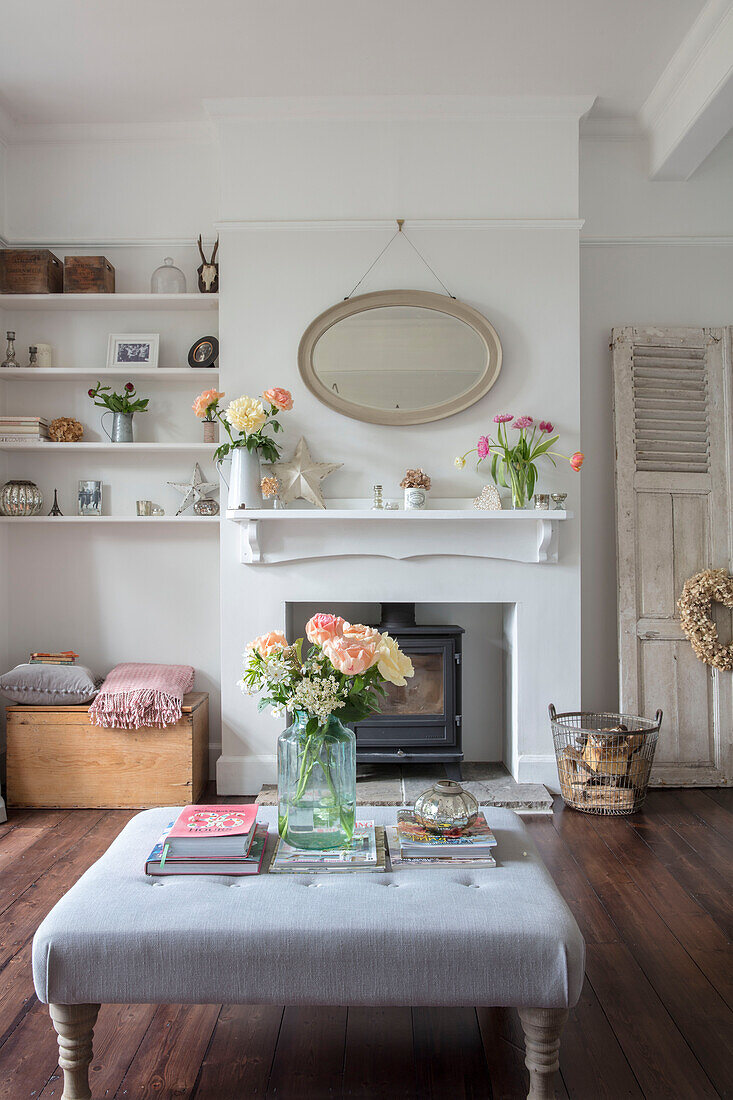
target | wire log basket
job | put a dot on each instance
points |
(604, 759)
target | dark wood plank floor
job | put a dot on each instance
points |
(652, 894)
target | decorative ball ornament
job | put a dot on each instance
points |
(488, 499)
(65, 429)
(695, 608)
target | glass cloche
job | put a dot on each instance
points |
(168, 279)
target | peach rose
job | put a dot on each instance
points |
(280, 398)
(360, 632)
(202, 402)
(351, 655)
(266, 644)
(324, 628)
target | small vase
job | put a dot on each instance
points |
(211, 431)
(245, 480)
(121, 427)
(415, 499)
(316, 784)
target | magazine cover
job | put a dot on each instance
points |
(412, 833)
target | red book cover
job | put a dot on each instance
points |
(214, 821)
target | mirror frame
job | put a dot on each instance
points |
(441, 303)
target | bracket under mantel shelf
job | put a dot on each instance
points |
(450, 528)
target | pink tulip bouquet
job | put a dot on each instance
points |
(344, 670)
(514, 462)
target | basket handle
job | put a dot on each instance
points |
(658, 717)
(553, 713)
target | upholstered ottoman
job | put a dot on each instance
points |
(417, 936)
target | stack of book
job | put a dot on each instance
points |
(68, 657)
(366, 852)
(23, 429)
(210, 840)
(411, 845)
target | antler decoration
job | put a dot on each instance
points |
(216, 249)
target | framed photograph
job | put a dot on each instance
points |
(126, 349)
(89, 498)
(204, 352)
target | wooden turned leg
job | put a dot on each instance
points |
(542, 1029)
(75, 1026)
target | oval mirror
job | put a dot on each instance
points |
(399, 357)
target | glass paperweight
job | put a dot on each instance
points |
(168, 279)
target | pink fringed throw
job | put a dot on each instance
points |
(136, 695)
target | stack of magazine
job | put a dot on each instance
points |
(210, 840)
(411, 845)
(366, 852)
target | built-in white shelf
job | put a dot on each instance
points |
(349, 529)
(202, 521)
(109, 302)
(59, 374)
(122, 448)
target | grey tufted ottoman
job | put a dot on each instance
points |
(499, 936)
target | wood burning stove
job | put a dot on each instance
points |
(420, 723)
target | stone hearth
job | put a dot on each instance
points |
(490, 783)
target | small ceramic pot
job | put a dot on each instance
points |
(415, 498)
(446, 807)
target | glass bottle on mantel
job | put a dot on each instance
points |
(10, 360)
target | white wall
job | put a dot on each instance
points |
(675, 278)
(276, 277)
(95, 184)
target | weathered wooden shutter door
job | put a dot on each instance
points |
(673, 426)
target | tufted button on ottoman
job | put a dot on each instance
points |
(440, 936)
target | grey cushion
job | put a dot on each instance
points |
(48, 685)
(500, 936)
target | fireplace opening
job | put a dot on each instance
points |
(422, 722)
(458, 706)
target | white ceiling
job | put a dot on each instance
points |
(156, 60)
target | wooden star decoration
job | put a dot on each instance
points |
(300, 476)
(193, 490)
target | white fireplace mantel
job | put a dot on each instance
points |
(352, 529)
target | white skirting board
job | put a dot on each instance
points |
(538, 769)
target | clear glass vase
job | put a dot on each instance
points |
(316, 784)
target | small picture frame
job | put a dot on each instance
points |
(89, 498)
(126, 349)
(204, 352)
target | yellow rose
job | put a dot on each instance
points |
(392, 663)
(246, 414)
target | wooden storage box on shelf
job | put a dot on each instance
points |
(88, 275)
(30, 271)
(57, 758)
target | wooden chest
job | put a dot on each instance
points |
(30, 271)
(88, 275)
(56, 757)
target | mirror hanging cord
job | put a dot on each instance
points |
(400, 233)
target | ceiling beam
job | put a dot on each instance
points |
(690, 109)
